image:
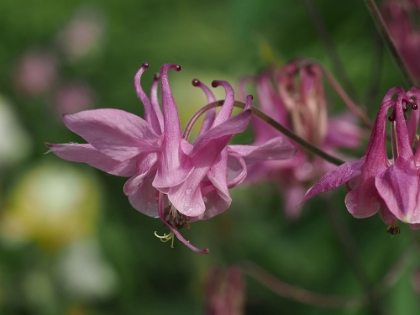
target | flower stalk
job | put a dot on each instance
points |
(383, 30)
(255, 111)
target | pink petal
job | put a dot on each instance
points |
(116, 133)
(222, 133)
(293, 195)
(386, 215)
(343, 131)
(174, 165)
(399, 188)
(237, 169)
(218, 177)
(150, 114)
(86, 153)
(215, 204)
(415, 226)
(335, 178)
(227, 107)
(211, 114)
(145, 165)
(145, 198)
(274, 149)
(364, 202)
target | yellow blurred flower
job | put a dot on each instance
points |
(52, 205)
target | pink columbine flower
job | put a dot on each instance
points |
(294, 96)
(170, 178)
(389, 187)
(225, 291)
(36, 72)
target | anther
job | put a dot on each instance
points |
(391, 117)
(157, 76)
(215, 83)
(414, 106)
(145, 65)
(196, 82)
(177, 68)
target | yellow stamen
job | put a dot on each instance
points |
(166, 237)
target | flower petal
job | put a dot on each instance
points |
(145, 198)
(274, 149)
(399, 186)
(222, 133)
(116, 133)
(86, 153)
(145, 165)
(335, 178)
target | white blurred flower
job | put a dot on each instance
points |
(83, 272)
(15, 143)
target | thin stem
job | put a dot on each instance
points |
(323, 33)
(323, 300)
(351, 105)
(298, 294)
(383, 30)
(292, 136)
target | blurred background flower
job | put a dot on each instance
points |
(51, 210)
(36, 72)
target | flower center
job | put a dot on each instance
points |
(393, 229)
(176, 219)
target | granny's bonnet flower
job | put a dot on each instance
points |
(294, 96)
(389, 187)
(169, 177)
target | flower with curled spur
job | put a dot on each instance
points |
(170, 178)
(294, 96)
(389, 187)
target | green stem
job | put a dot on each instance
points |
(292, 136)
(383, 30)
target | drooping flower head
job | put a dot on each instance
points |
(294, 96)
(170, 178)
(386, 186)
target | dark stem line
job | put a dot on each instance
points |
(323, 33)
(292, 136)
(305, 296)
(383, 30)
(351, 105)
(298, 294)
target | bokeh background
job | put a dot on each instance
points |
(70, 241)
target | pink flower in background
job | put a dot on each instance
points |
(73, 97)
(83, 35)
(36, 72)
(169, 177)
(225, 291)
(400, 17)
(389, 187)
(294, 96)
